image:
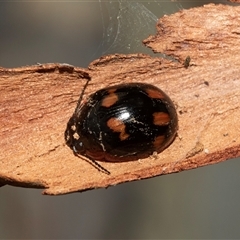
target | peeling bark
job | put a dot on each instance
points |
(37, 101)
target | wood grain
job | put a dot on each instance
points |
(37, 101)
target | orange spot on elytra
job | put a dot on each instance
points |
(158, 141)
(152, 93)
(118, 126)
(109, 100)
(161, 118)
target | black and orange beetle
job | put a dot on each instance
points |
(120, 123)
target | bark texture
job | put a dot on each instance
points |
(37, 101)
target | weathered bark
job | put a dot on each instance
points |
(37, 101)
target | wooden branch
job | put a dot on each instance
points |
(37, 101)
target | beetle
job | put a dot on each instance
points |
(124, 122)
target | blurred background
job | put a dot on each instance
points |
(201, 203)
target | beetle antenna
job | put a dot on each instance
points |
(81, 95)
(93, 163)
